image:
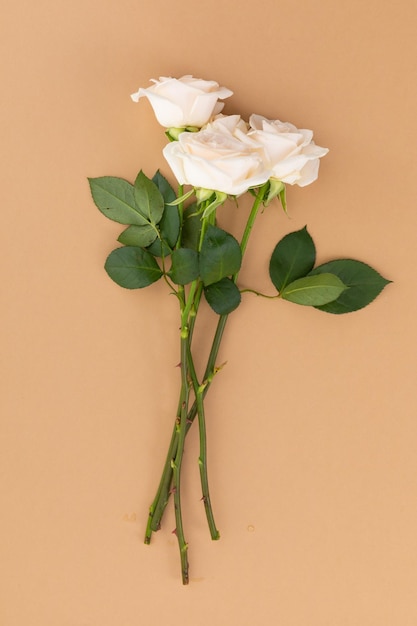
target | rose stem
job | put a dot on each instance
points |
(202, 461)
(159, 503)
(211, 362)
(199, 398)
(163, 493)
(189, 314)
(176, 462)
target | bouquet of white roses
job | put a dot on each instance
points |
(176, 237)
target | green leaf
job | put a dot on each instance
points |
(169, 226)
(141, 236)
(314, 290)
(115, 198)
(148, 198)
(191, 227)
(223, 296)
(159, 248)
(220, 255)
(132, 267)
(184, 267)
(292, 258)
(164, 187)
(363, 281)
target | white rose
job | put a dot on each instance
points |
(214, 159)
(232, 125)
(289, 152)
(186, 101)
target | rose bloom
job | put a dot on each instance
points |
(289, 152)
(185, 101)
(215, 159)
(231, 125)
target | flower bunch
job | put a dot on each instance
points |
(175, 236)
(225, 153)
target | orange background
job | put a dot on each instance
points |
(312, 423)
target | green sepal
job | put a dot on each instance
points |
(292, 258)
(203, 194)
(173, 133)
(184, 268)
(182, 198)
(283, 198)
(220, 255)
(223, 296)
(276, 187)
(364, 283)
(314, 290)
(219, 199)
(132, 267)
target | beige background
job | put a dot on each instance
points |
(312, 424)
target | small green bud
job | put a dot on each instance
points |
(203, 194)
(276, 188)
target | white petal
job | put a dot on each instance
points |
(201, 109)
(173, 155)
(309, 173)
(167, 113)
(255, 121)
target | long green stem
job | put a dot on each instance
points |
(202, 461)
(157, 508)
(208, 374)
(161, 499)
(211, 362)
(176, 463)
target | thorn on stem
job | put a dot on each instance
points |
(174, 532)
(217, 368)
